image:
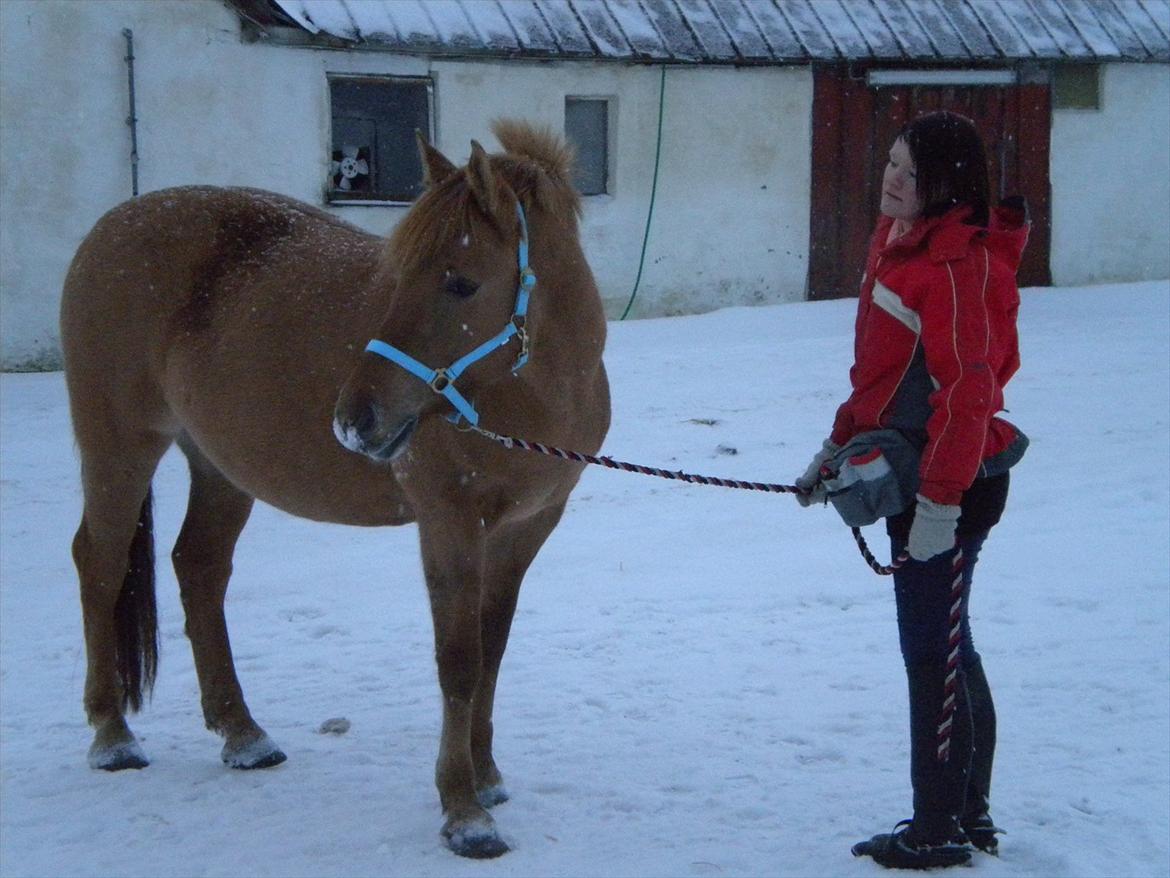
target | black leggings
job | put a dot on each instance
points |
(923, 589)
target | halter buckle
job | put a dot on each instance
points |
(440, 381)
(520, 322)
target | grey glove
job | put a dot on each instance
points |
(811, 480)
(933, 530)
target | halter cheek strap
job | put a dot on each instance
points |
(442, 381)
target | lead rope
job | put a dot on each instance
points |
(679, 475)
(955, 635)
(954, 641)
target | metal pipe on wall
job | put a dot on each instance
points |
(132, 119)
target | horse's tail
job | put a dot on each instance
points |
(136, 615)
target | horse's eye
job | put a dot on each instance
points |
(457, 285)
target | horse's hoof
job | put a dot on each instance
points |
(475, 839)
(491, 796)
(117, 757)
(260, 752)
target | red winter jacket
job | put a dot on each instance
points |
(936, 343)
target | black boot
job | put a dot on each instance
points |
(980, 832)
(939, 771)
(905, 849)
(976, 820)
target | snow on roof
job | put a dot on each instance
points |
(743, 31)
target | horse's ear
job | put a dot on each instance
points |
(436, 167)
(482, 180)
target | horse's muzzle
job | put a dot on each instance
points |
(365, 433)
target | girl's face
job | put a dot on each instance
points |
(899, 186)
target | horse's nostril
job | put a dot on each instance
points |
(364, 421)
(356, 426)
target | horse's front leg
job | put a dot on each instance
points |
(453, 560)
(510, 550)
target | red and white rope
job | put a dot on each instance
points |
(954, 641)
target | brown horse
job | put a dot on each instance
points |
(233, 322)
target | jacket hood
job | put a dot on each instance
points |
(1007, 234)
(947, 237)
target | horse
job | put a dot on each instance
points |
(234, 322)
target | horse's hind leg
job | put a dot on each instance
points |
(114, 553)
(216, 514)
(510, 551)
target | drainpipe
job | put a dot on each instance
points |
(132, 119)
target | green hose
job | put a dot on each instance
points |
(653, 191)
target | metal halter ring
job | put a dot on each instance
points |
(520, 322)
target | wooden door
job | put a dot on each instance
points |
(854, 125)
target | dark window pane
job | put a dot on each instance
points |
(1076, 87)
(587, 128)
(374, 155)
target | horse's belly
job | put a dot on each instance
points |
(277, 445)
(318, 484)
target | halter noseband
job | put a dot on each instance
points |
(442, 381)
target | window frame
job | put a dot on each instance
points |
(333, 196)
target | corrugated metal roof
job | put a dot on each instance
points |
(746, 31)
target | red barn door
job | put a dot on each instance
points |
(854, 125)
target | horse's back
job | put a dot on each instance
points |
(230, 315)
(173, 274)
(177, 245)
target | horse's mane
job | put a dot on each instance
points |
(536, 165)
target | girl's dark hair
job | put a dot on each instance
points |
(951, 164)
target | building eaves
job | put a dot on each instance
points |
(739, 32)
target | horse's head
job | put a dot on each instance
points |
(455, 264)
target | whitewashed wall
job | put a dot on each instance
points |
(731, 217)
(1111, 181)
(731, 212)
(730, 221)
(211, 110)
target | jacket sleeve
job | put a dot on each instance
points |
(843, 422)
(956, 339)
(843, 429)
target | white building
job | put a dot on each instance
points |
(753, 128)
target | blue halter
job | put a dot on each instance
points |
(442, 381)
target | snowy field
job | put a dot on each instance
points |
(700, 682)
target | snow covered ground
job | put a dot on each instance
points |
(700, 682)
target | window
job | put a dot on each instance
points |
(940, 76)
(374, 156)
(587, 129)
(1076, 87)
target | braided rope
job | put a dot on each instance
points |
(875, 565)
(954, 640)
(679, 475)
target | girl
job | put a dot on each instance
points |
(935, 344)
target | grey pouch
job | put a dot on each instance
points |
(874, 475)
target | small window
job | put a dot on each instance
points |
(374, 156)
(1076, 87)
(587, 129)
